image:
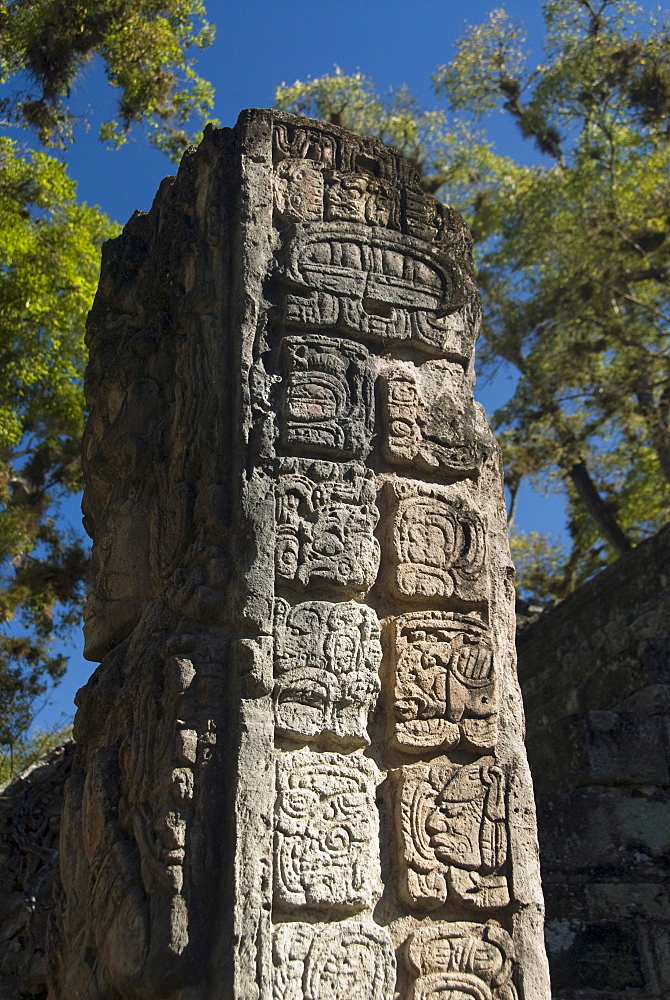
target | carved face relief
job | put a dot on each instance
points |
(326, 515)
(443, 434)
(158, 778)
(327, 403)
(137, 816)
(452, 822)
(455, 961)
(327, 829)
(439, 545)
(445, 685)
(120, 576)
(357, 198)
(326, 669)
(339, 961)
(298, 190)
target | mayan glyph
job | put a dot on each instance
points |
(300, 772)
(326, 669)
(326, 837)
(452, 825)
(458, 960)
(445, 682)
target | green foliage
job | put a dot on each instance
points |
(16, 756)
(49, 263)
(573, 253)
(44, 44)
(576, 280)
(538, 560)
(49, 248)
(487, 65)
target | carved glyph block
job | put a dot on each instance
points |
(369, 280)
(438, 545)
(357, 198)
(338, 961)
(461, 960)
(298, 191)
(303, 143)
(424, 217)
(327, 401)
(430, 419)
(326, 516)
(452, 825)
(445, 689)
(326, 668)
(327, 832)
(306, 190)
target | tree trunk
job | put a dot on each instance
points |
(658, 430)
(590, 497)
(513, 498)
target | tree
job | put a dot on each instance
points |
(49, 264)
(49, 248)
(29, 749)
(573, 252)
(143, 45)
(577, 281)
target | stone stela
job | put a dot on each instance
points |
(300, 772)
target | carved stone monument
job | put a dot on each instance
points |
(300, 772)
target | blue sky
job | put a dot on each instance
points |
(260, 44)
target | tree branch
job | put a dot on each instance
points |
(596, 507)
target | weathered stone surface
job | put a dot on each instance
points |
(327, 397)
(334, 962)
(462, 959)
(29, 826)
(596, 677)
(327, 832)
(373, 281)
(452, 825)
(326, 669)
(283, 459)
(326, 516)
(445, 685)
(431, 420)
(436, 545)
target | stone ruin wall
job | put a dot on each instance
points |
(300, 771)
(595, 674)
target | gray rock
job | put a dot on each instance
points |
(595, 672)
(284, 467)
(30, 807)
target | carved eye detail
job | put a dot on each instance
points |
(337, 839)
(401, 428)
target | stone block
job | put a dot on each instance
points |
(327, 832)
